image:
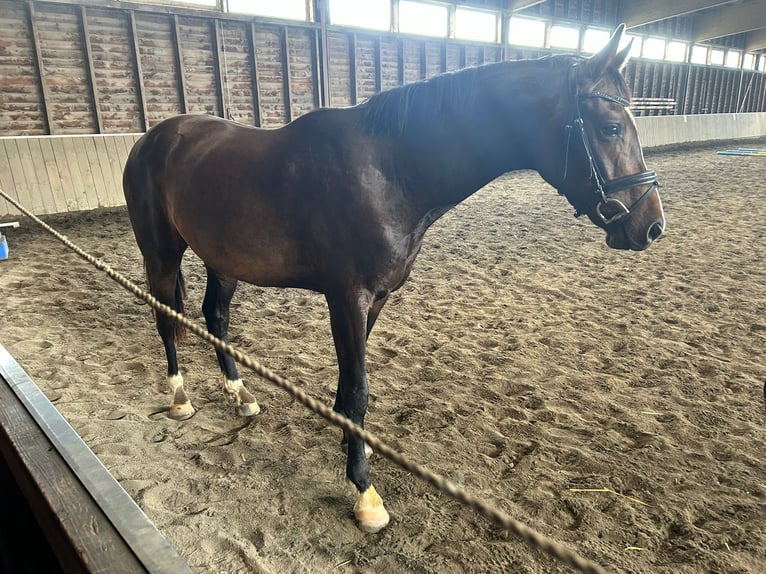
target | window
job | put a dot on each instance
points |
(654, 48)
(716, 57)
(732, 59)
(699, 54)
(748, 61)
(423, 19)
(290, 9)
(565, 37)
(676, 51)
(594, 39)
(375, 14)
(526, 32)
(475, 25)
(762, 65)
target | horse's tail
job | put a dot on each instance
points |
(179, 333)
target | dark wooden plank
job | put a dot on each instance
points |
(91, 69)
(182, 92)
(139, 73)
(221, 74)
(286, 79)
(92, 524)
(378, 63)
(353, 69)
(257, 111)
(46, 98)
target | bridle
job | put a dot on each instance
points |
(603, 189)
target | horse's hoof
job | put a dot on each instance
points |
(370, 512)
(181, 412)
(248, 409)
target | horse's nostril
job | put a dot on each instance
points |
(655, 230)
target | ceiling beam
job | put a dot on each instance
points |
(521, 4)
(756, 40)
(744, 17)
(640, 12)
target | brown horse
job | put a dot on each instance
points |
(338, 201)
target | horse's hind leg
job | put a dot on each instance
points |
(215, 307)
(163, 272)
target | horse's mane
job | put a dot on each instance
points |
(394, 111)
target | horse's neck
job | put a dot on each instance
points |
(464, 147)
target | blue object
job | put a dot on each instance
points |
(3, 247)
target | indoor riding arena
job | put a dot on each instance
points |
(539, 401)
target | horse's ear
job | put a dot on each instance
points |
(621, 58)
(607, 57)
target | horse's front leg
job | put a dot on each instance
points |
(220, 289)
(372, 316)
(348, 318)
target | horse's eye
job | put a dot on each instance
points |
(611, 130)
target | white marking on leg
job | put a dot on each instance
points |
(175, 381)
(247, 406)
(180, 405)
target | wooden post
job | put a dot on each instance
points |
(91, 70)
(138, 70)
(378, 65)
(257, 112)
(220, 72)
(443, 56)
(181, 77)
(317, 86)
(352, 68)
(323, 68)
(38, 56)
(286, 80)
(401, 64)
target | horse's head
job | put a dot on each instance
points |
(603, 173)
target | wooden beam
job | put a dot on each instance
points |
(90, 522)
(38, 55)
(221, 71)
(91, 70)
(744, 17)
(138, 70)
(401, 63)
(179, 56)
(521, 4)
(257, 111)
(640, 12)
(756, 40)
(352, 68)
(317, 86)
(324, 51)
(378, 65)
(286, 80)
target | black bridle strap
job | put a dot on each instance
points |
(649, 176)
(604, 188)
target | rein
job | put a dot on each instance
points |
(604, 188)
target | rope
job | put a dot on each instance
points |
(442, 484)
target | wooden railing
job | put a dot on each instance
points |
(653, 106)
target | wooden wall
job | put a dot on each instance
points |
(55, 174)
(85, 67)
